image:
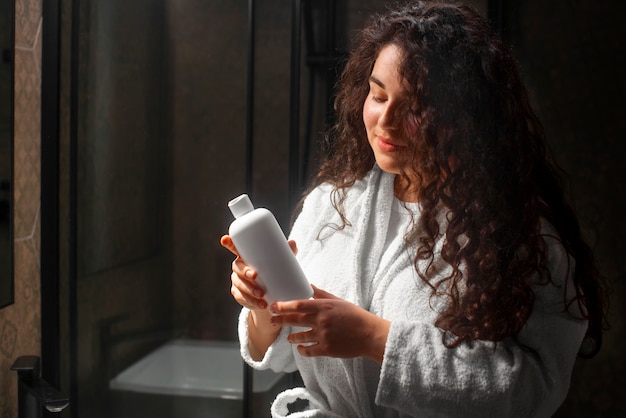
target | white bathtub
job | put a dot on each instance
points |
(187, 378)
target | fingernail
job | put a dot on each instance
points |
(249, 274)
(273, 308)
(258, 293)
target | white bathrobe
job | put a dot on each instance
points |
(419, 377)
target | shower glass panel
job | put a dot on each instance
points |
(159, 150)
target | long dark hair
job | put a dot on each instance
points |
(480, 153)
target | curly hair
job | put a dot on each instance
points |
(480, 153)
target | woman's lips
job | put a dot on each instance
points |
(387, 146)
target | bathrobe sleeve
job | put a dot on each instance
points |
(524, 377)
(278, 357)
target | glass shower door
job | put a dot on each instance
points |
(158, 152)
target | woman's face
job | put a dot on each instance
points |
(381, 111)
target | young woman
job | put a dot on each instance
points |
(450, 276)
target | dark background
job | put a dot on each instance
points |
(571, 54)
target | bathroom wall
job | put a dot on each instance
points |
(207, 81)
(572, 57)
(20, 323)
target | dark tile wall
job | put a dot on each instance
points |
(572, 57)
(207, 83)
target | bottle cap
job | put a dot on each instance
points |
(241, 205)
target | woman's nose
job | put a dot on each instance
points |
(388, 117)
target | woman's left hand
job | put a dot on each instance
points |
(338, 328)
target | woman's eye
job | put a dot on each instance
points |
(377, 99)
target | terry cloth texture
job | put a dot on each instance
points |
(523, 377)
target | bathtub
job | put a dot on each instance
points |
(188, 378)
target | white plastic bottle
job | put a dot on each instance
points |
(261, 243)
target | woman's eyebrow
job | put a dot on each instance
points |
(373, 79)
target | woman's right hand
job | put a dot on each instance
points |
(244, 288)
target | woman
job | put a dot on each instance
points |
(450, 276)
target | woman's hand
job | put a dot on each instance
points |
(248, 293)
(244, 287)
(338, 328)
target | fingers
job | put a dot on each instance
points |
(239, 266)
(243, 270)
(300, 306)
(247, 293)
(305, 337)
(293, 246)
(244, 287)
(227, 243)
(322, 294)
(303, 306)
(310, 350)
(294, 320)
